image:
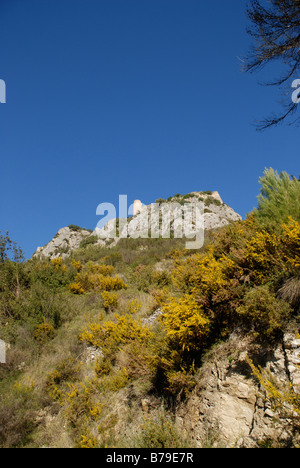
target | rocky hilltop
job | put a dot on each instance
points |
(64, 242)
(216, 215)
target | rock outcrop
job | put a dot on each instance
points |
(66, 240)
(216, 214)
(228, 407)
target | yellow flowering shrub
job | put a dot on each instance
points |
(58, 264)
(202, 273)
(174, 254)
(88, 281)
(105, 270)
(282, 395)
(77, 265)
(262, 255)
(93, 335)
(291, 244)
(231, 240)
(185, 322)
(110, 300)
(110, 283)
(96, 277)
(44, 332)
(102, 367)
(111, 334)
(134, 306)
(76, 288)
(81, 399)
(267, 254)
(52, 386)
(57, 381)
(87, 442)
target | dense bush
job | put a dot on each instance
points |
(185, 322)
(264, 314)
(18, 417)
(110, 300)
(96, 277)
(111, 334)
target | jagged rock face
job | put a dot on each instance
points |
(216, 214)
(63, 243)
(229, 406)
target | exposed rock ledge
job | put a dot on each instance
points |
(230, 408)
(65, 241)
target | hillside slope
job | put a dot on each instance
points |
(147, 344)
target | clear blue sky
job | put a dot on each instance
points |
(137, 97)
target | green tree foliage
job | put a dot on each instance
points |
(9, 249)
(279, 198)
(274, 27)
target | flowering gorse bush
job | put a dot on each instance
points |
(185, 322)
(94, 277)
(110, 300)
(110, 335)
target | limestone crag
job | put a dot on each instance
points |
(229, 406)
(65, 241)
(216, 215)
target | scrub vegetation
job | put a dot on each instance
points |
(87, 366)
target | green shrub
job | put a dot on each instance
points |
(74, 227)
(142, 277)
(88, 241)
(18, 416)
(264, 314)
(53, 274)
(159, 431)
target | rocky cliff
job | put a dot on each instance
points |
(216, 215)
(229, 406)
(65, 241)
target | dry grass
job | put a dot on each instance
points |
(290, 292)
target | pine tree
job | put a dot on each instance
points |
(279, 198)
(275, 29)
